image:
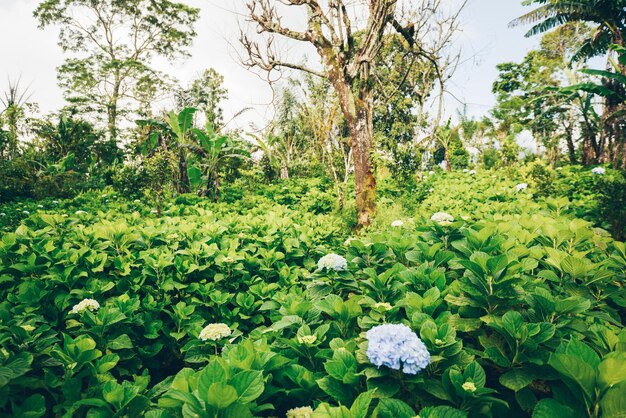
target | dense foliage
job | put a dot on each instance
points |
(107, 308)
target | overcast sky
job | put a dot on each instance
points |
(33, 54)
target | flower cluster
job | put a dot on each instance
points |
(521, 186)
(469, 387)
(386, 306)
(598, 170)
(302, 412)
(85, 304)
(214, 332)
(442, 218)
(332, 262)
(397, 347)
(307, 339)
(397, 223)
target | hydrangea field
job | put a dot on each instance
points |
(470, 296)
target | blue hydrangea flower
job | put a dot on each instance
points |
(397, 347)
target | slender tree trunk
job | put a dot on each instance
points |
(284, 172)
(183, 185)
(112, 109)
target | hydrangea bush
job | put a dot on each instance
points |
(514, 309)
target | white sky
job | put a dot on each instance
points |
(33, 54)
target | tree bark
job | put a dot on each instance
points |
(183, 185)
(284, 172)
(358, 113)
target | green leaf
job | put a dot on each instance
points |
(107, 362)
(221, 395)
(516, 379)
(212, 373)
(442, 412)
(195, 176)
(393, 408)
(361, 405)
(248, 384)
(120, 343)
(33, 407)
(577, 370)
(113, 393)
(613, 403)
(342, 367)
(612, 370)
(549, 408)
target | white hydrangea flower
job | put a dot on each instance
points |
(465, 170)
(521, 186)
(598, 170)
(332, 262)
(442, 218)
(215, 332)
(431, 172)
(85, 304)
(307, 339)
(397, 223)
(469, 387)
(472, 172)
(302, 412)
(80, 212)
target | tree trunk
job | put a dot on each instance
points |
(358, 112)
(112, 107)
(284, 172)
(183, 185)
(571, 148)
(365, 184)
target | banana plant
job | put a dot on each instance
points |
(173, 133)
(214, 150)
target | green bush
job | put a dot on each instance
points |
(104, 306)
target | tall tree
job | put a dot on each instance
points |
(205, 93)
(115, 42)
(348, 61)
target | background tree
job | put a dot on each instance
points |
(323, 122)
(58, 137)
(285, 141)
(608, 20)
(206, 94)
(348, 62)
(14, 105)
(115, 43)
